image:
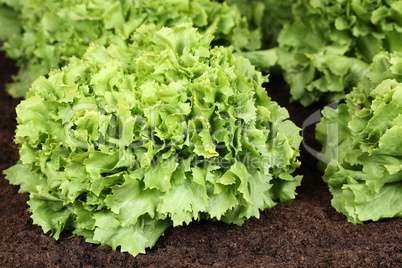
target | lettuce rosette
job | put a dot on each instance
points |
(41, 35)
(128, 140)
(363, 137)
(328, 48)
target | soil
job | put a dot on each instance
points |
(305, 232)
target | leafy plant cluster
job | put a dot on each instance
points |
(45, 34)
(147, 114)
(328, 48)
(364, 135)
(129, 140)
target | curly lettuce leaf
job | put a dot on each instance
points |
(269, 15)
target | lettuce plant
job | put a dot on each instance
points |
(326, 51)
(129, 140)
(364, 141)
(46, 33)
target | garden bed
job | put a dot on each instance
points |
(305, 232)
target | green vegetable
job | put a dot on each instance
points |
(53, 30)
(327, 50)
(269, 15)
(129, 140)
(364, 141)
(9, 22)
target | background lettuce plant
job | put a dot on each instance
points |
(364, 141)
(327, 49)
(131, 139)
(45, 34)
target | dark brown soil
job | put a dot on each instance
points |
(304, 232)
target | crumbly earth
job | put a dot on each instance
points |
(304, 232)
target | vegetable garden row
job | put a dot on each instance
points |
(138, 115)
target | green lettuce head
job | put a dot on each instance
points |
(129, 140)
(45, 34)
(327, 50)
(363, 138)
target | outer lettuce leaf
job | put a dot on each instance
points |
(327, 50)
(131, 139)
(269, 15)
(9, 22)
(364, 138)
(263, 60)
(53, 31)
